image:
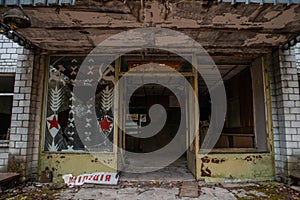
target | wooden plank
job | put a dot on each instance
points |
(295, 175)
(8, 177)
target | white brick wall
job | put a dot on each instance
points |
(20, 153)
(18, 143)
(8, 63)
(297, 54)
(8, 55)
(285, 113)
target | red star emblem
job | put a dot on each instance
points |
(105, 124)
(53, 123)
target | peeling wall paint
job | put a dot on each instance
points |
(77, 164)
(235, 167)
(264, 38)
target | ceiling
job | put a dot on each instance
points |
(228, 66)
(218, 27)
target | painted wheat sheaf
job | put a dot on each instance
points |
(105, 98)
(56, 99)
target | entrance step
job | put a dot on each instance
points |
(295, 178)
(8, 180)
(175, 172)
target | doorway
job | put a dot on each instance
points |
(175, 105)
(140, 103)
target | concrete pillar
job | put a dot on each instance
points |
(285, 113)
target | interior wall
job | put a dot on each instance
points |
(260, 106)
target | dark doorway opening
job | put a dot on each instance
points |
(140, 103)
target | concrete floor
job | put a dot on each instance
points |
(166, 192)
(177, 171)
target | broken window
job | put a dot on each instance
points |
(6, 99)
(238, 128)
(244, 126)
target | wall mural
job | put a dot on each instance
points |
(61, 134)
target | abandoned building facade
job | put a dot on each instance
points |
(254, 46)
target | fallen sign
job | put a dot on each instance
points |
(105, 178)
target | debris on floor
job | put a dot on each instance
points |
(32, 191)
(126, 190)
(189, 189)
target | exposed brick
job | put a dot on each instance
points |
(21, 145)
(15, 137)
(295, 123)
(296, 138)
(22, 130)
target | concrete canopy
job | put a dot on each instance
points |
(218, 27)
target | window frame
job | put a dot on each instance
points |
(8, 94)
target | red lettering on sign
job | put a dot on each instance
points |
(72, 179)
(96, 178)
(107, 178)
(79, 178)
(101, 178)
(85, 178)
